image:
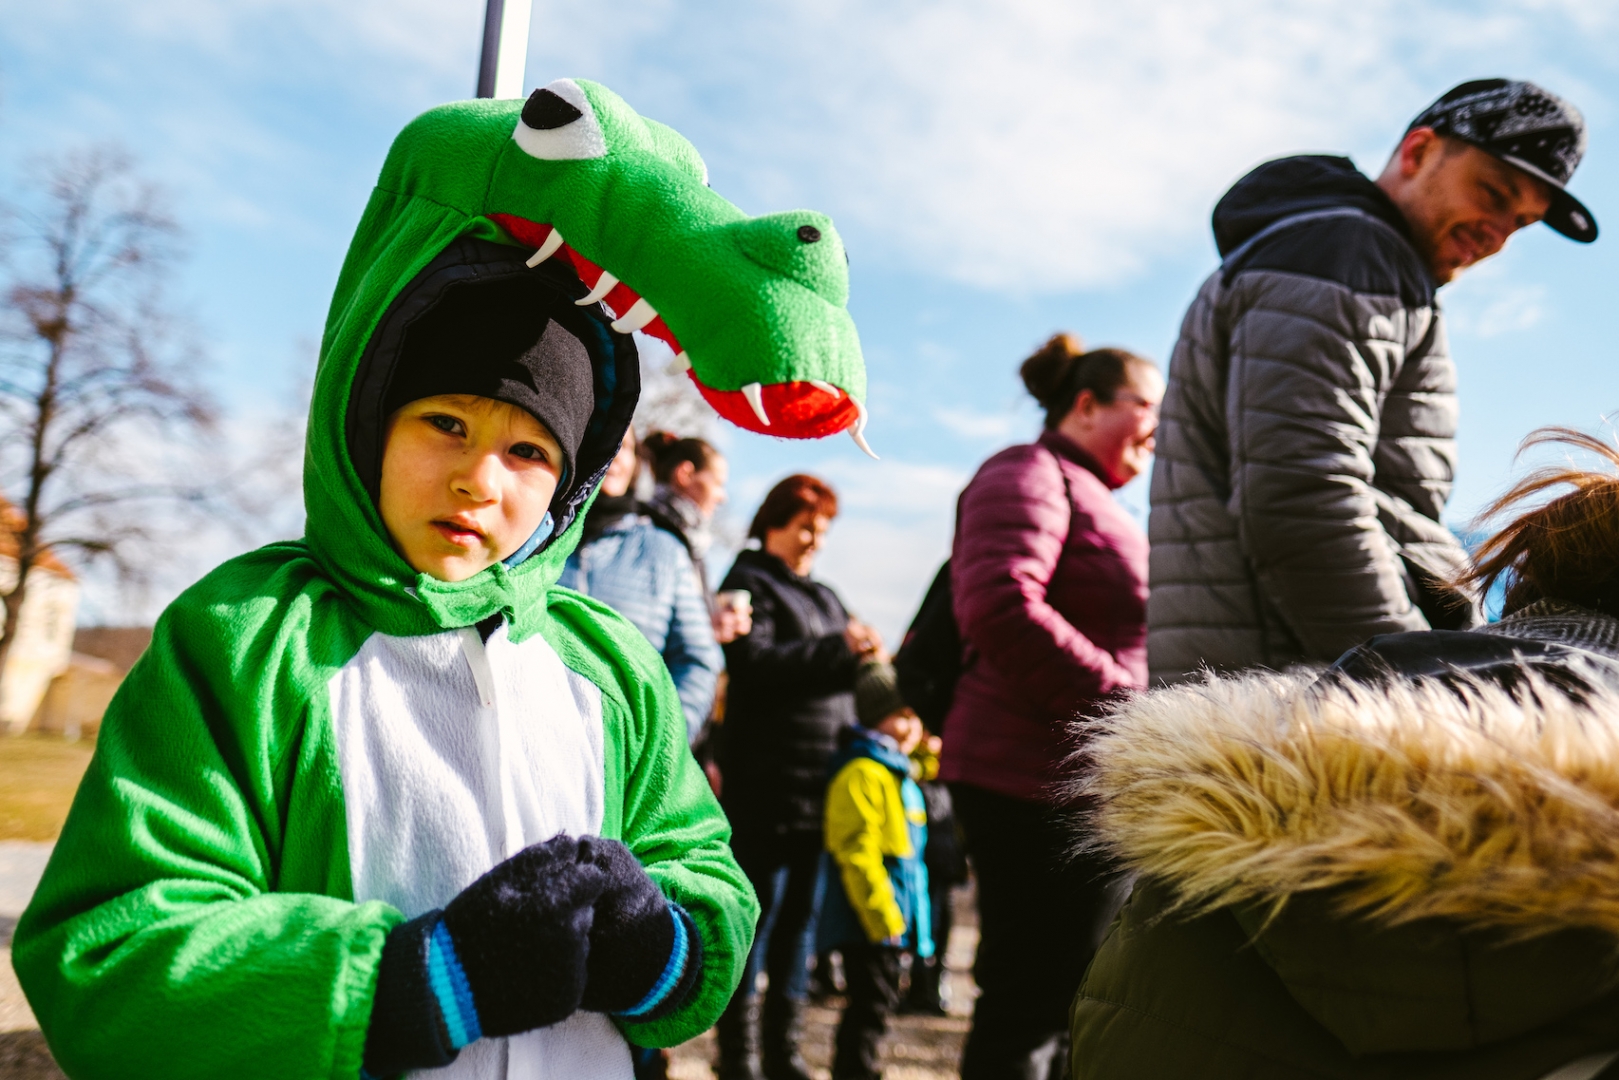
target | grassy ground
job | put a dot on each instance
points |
(38, 776)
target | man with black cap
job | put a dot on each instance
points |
(1307, 443)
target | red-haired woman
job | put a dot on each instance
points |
(792, 682)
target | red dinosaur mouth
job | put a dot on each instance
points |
(790, 410)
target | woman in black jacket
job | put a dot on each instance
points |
(792, 682)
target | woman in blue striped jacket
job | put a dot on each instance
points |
(646, 574)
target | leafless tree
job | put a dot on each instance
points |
(98, 385)
(669, 401)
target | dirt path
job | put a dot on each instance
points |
(917, 1048)
(23, 1055)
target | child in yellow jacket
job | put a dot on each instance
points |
(876, 903)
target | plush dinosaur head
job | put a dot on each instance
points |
(754, 307)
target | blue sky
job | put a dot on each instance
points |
(998, 171)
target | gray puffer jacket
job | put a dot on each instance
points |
(1307, 445)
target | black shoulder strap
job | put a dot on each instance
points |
(1067, 491)
(667, 524)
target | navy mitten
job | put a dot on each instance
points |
(506, 955)
(644, 950)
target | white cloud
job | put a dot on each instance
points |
(893, 529)
(1025, 145)
(893, 486)
(1486, 302)
(1033, 146)
(1029, 146)
(1513, 310)
(881, 569)
(971, 424)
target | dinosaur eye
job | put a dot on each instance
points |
(809, 233)
(559, 123)
(545, 111)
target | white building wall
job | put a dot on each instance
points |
(44, 642)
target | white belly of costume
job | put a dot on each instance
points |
(456, 754)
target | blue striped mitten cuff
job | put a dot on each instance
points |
(679, 973)
(451, 989)
(422, 1011)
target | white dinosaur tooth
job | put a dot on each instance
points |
(639, 315)
(680, 364)
(547, 249)
(755, 395)
(828, 387)
(858, 432)
(604, 285)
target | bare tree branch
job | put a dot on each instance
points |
(97, 395)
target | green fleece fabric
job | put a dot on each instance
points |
(196, 918)
(755, 302)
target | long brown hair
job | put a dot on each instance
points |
(1564, 549)
(1061, 368)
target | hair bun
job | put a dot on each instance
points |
(667, 451)
(657, 440)
(1046, 373)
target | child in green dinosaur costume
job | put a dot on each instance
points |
(385, 798)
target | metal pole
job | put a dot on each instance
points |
(493, 16)
(505, 48)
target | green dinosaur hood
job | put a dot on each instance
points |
(348, 421)
(615, 211)
(756, 307)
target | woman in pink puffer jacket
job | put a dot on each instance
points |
(1049, 575)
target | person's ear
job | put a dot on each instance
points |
(1416, 148)
(682, 474)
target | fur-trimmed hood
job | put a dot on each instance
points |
(1406, 800)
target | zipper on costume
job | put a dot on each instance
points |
(505, 836)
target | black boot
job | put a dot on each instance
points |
(779, 1032)
(823, 981)
(925, 997)
(737, 1033)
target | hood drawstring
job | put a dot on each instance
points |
(532, 544)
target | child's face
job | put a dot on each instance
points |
(465, 480)
(904, 727)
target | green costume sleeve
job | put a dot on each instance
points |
(669, 818)
(155, 946)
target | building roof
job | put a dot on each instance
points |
(11, 523)
(119, 645)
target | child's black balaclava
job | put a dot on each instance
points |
(501, 339)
